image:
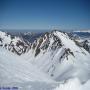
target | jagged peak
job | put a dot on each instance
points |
(54, 41)
(15, 44)
(51, 41)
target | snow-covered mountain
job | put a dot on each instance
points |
(13, 43)
(82, 39)
(84, 34)
(30, 36)
(88, 31)
(57, 56)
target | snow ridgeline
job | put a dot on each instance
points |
(74, 84)
(14, 44)
(58, 59)
(86, 31)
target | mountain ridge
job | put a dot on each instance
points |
(53, 58)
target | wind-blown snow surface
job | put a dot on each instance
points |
(14, 71)
(67, 65)
(74, 84)
(76, 65)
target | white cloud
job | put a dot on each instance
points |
(74, 84)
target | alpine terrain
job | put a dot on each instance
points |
(53, 60)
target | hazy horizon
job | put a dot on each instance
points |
(40, 30)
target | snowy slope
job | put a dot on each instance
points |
(52, 59)
(14, 68)
(74, 84)
(62, 59)
(16, 72)
(13, 43)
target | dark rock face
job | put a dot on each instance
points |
(82, 39)
(84, 44)
(42, 43)
(37, 51)
(17, 46)
(50, 42)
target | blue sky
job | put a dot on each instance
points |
(45, 14)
